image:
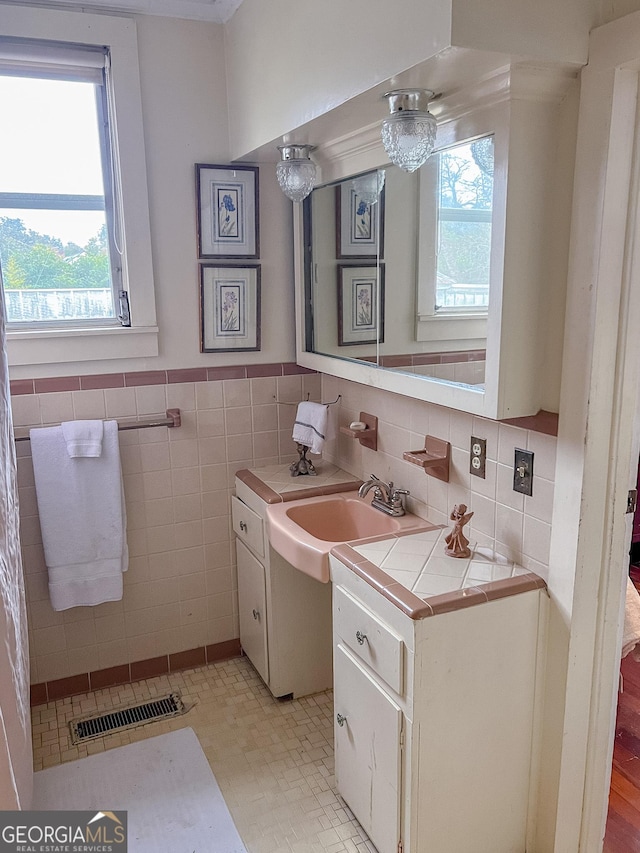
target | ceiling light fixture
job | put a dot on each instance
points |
(409, 133)
(368, 187)
(296, 172)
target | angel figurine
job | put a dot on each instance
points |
(457, 542)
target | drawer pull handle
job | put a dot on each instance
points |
(243, 526)
(360, 637)
(256, 614)
(341, 720)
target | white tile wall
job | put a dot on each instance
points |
(516, 525)
(180, 589)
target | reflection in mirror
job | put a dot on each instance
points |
(398, 265)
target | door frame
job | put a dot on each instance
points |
(598, 443)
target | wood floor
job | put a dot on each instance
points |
(623, 822)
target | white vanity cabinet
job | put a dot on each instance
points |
(284, 615)
(435, 718)
(369, 732)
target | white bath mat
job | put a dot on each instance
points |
(173, 801)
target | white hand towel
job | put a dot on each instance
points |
(83, 438)
(631, 631)
(310, 427)
(82, 518)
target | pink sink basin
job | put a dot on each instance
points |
(305, 531)
(341, 520)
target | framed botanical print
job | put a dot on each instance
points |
(227, 211)
(359, 225)
(229, 308)
(360, 304)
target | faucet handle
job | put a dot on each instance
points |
(396, 496)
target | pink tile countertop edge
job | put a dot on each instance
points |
(416, 607)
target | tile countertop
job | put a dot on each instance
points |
(274, 483)
(415, 574)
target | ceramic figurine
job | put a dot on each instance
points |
(457, 542)
(303, 465)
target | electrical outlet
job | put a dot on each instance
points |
(478, 459)
(523, 472)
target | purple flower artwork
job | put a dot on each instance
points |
(227, 211)
(230, 318)
(359, 224)
(363, 306)
(360, 304)
(229, 308)
(227, 204)
(361, 220)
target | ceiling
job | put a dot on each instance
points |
(215, 11)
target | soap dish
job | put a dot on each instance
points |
(434, 457)
(368, 437)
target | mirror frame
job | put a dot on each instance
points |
(525, 128)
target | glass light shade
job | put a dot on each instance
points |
(409, 133)
(296, 172)
(368, 187)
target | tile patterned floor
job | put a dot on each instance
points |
(273, 759)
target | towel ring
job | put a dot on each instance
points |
(289, 403)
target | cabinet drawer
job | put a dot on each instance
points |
(369, 638)
(247, 526)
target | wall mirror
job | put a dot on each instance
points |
(441, 288)
(428, 234)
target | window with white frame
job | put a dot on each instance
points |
(456, 214)
(465, 207)
(74, 210)
(59, 215)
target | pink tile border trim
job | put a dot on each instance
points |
(546, 422)
(20, 387)
(418, 608)
(56, 383)
(418, 358)
(49, 691)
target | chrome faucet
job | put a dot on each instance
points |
(385, 497)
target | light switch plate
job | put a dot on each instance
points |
(478, 457)
(523, 472)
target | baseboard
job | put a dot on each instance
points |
(49, 691)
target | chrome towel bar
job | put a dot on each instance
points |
(171, 420)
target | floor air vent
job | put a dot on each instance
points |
(126, 718)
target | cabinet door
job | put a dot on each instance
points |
(252, 601)
(368, 728)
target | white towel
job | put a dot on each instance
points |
(83, 438)
(310, 427)
(631, 631)
(82, 518)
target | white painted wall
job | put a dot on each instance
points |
(310, 57)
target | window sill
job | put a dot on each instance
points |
(50, 346)
(468, 329)
(443, 315)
